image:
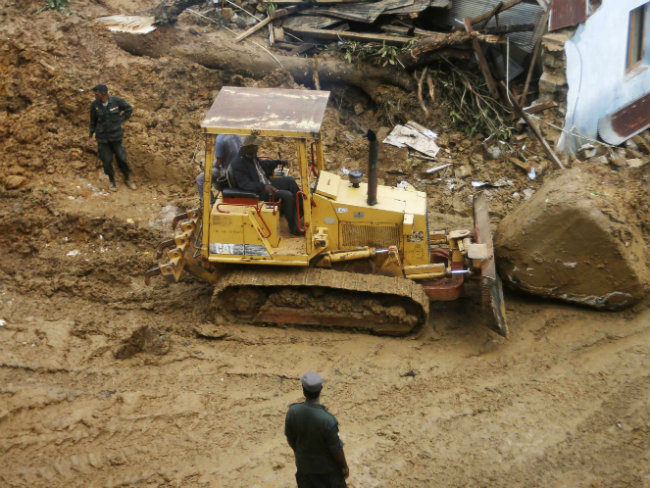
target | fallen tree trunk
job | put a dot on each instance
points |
(254, 61)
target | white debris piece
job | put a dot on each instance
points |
(405, 185)
(435, 169)
(73, 253)
(414, 136)
(133, 24)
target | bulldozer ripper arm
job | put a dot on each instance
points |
(179, 254)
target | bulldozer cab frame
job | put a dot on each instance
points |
(268, 112)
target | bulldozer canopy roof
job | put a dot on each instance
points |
(267, 111)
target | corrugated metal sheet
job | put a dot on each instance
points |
(566, 13)
(523, 13)
(360, 12)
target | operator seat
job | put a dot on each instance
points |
(230, 192)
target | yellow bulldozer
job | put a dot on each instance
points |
(367, 259)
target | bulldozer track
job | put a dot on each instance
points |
(322, 297)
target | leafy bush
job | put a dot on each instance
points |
(56, 5)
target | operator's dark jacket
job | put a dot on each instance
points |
(106, 122)
(245, 175)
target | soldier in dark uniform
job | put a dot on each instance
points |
(106, 116)
(313, 434)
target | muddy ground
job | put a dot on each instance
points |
(85, 402)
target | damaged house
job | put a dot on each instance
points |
(600, 70)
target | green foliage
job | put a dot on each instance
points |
(383, 55)
(56, 5)
(271, 7)
(352, 51)
(389, 55)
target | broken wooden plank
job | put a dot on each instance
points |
(532, 124)
(418, 6)
(278, 14)
(540, 107)
(491, 13)
(411, 31)
(542, 21)
(482, 62)
(433, 43)
(494, 11)
(311, 21)
(338, 35)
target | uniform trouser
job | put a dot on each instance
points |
(106, 150)
(313, 480)
(287, 189)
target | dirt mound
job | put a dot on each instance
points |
(145, 339)
(575, 241)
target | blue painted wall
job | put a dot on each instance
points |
(596, 70)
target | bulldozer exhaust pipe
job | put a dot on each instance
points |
(373, 157)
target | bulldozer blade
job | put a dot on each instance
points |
(491, 287)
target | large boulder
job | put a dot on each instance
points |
(577, 240)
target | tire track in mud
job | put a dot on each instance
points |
(476, 410)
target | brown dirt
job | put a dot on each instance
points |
(563, 403)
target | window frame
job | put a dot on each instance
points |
(637, 28)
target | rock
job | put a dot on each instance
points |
(476, 159)
(600, 160)
(549, 83)
(462, 171)
(573, 243)
(493, 152)
(358, 108)
(227, 13)
(78, 164)
(617, 158)
(636, 162)
(14, 181)
(642, 143)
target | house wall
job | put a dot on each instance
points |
(595, 70)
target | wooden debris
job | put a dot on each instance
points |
(487, 16)
(499, 8)
(540, 107)
(338, 35)
(543, 20)
(482, 62)
(434, 43)
(420, 80)
(431, 86)
(533, 125)
(278, 14)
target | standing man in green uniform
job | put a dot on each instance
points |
(106, 116)
(313, 434)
